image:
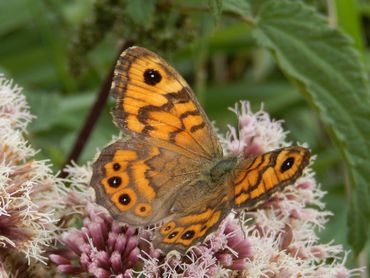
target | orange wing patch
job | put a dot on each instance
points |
(256, 179)
(154, 100)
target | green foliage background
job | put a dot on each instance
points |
(307, 61)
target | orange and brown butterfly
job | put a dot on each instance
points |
(169, 168)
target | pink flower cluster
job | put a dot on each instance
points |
(277, 240)
(102, 247)
(223, 252)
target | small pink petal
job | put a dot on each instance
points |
(102, 258)
(238, 265)
(308, 184)
(120, 243)
(133, 257)
(225, 259)
(111, 242)
(287, 237)
(155, 253)
(85, 261)
(244, 249)
(73, 240)
(85, 248)
(97, 235)
(319, 251)
(101, 273)
(116, 262)
(116, 228)
(131, 244)
(253, 149)
(342, 272)
(212, 271)
(130, 231)
(57, 259)
(68, 269)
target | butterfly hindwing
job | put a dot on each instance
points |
(137, 180)
(155, 101)
(255, 179)
(195, 216)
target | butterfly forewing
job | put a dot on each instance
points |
(155, 101)
(255, 180)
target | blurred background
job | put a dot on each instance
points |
(62, 52)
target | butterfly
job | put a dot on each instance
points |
(169, 168)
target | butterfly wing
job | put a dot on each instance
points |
(169, 140)
(252, 182)
(255, 180)
(196, 213)
(137, 181)
(155, 101)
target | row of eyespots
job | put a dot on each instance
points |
(188, 235)
(117, 179)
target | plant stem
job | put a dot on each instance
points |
(93, 116)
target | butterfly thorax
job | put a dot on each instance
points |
(221, 168)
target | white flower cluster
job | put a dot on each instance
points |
(283, 230)
(29, 193)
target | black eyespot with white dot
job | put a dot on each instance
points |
(152, 77)
(114, 182)
(124, 199)
(287, 164)
(172, 235)
(116, 166)
(188, 235)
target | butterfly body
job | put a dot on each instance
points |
(221, 168)
(170, 168)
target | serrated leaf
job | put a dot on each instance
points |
(322, 63)
(141, 11)
(216, 10)
(238, 7)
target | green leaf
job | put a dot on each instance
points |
(322, 63)
(40, 104)
(238, 7)
(216, 10)
(141, 11)
(349, 20)
(13, 15)
(52, 35)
